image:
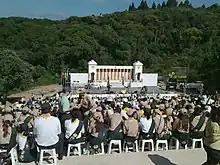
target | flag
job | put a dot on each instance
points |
(62, 75)
(67, 74)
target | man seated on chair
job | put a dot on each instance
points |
(116, 122)
(47, 130)
(130, 127)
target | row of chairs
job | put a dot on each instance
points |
(149, 143)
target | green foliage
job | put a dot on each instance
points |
(14, 73)
(161, 38)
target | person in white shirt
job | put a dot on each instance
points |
(147, 125)
(47, 130)
(74, 128)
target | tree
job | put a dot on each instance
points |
(203, 6)
(143, 5)
(187, 4)
(160, 39)
(181, 4)
(172, 3)
(163, 4)
(132, 7)
(15, 74)
(158, 6)
(154, 5)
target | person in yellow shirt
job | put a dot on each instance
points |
(212, 138)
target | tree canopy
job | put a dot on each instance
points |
(165, 36)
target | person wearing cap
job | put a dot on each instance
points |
(47, 131)
(130, 127)
(212, 138)
(115, 127)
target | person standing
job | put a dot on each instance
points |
(64, 108)
(212, 138)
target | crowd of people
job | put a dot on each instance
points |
(55, 122)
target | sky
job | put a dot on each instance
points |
(61, 9)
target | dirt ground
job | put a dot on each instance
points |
(48, 90)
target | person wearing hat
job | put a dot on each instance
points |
(130, 127)
(47, 131)
(85, 102)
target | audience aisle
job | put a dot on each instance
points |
(171, 157)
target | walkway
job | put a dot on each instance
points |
(171, 157)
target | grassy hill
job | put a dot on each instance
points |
(160, 38)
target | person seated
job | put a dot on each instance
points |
(198, 123)
(147, 125)
(26, 152)
(47, 131)
(8, 135)
(26, 118)
(116, 122)
(74, 128)
(130, 128)
(161, 130)
(97, 132)
(181, 127)
(7, 114)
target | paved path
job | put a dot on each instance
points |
(171, 157)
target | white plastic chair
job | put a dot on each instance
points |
(149, 141)
(112, 143)
(158, 142)
(177, 143)
(50, 151)
(78, 146)
(194, 141)
(102, 148)
(135, 144)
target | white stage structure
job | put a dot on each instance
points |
(119, 76)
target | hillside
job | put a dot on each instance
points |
(35, 51)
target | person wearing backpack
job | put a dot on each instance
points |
(130, 128)
(74, 128)
(181, 127)
(115, 126)
(147, 125)
(27, 151)
(198, 123)
(97, 132)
